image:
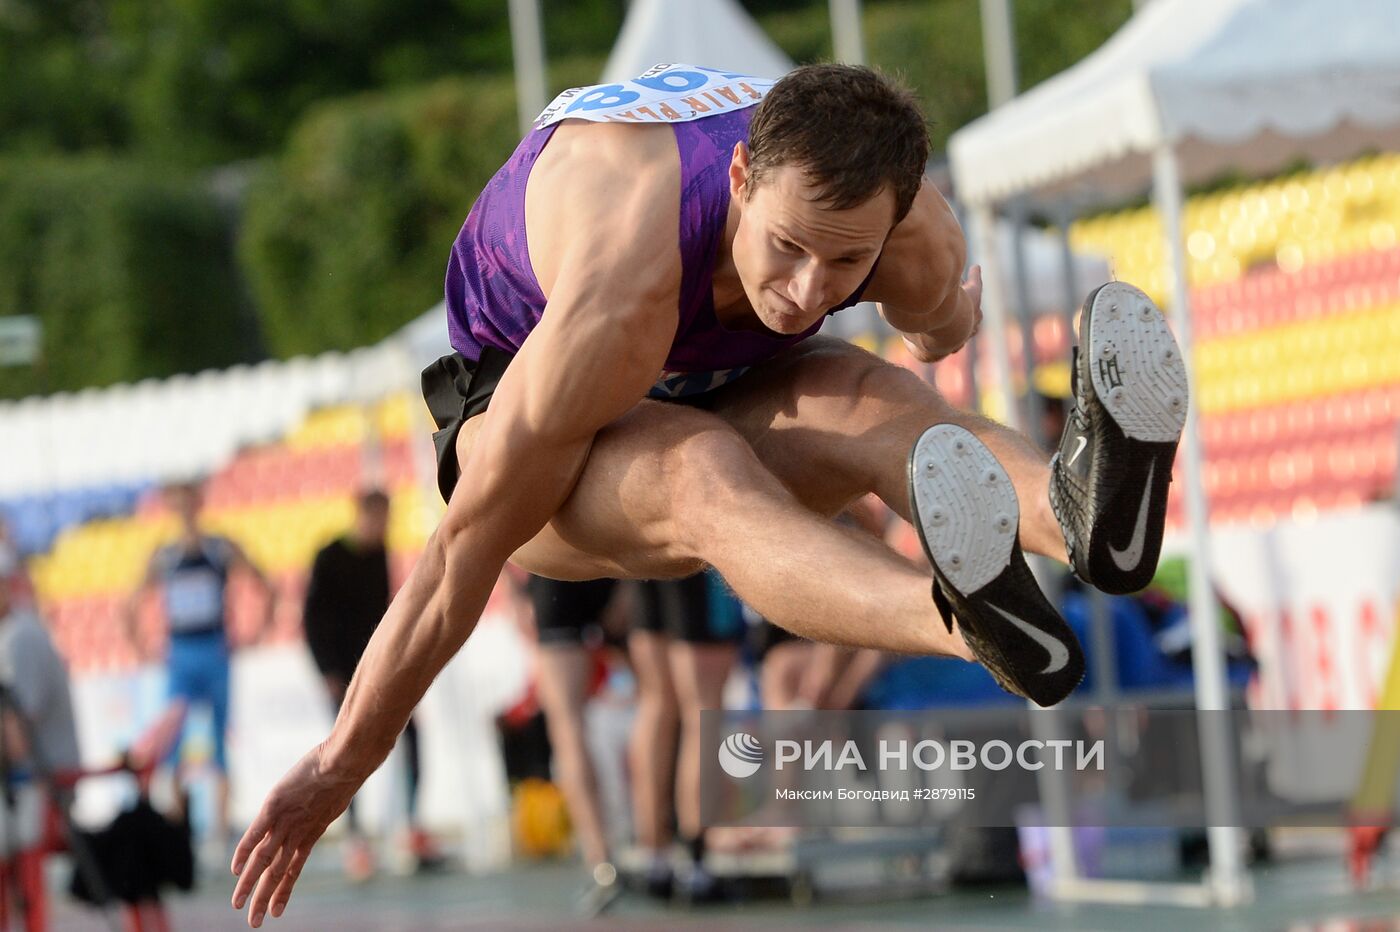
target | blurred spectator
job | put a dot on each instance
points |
(683, 645)
(193, 573)
(40, 740)
(796, 673)
(12, 565)
(346, 597)
(569, 621)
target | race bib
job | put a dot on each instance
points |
(665, 94)
(194, 600)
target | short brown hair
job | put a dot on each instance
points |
(853, 131)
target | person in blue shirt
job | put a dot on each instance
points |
(192, 574)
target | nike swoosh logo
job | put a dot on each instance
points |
(1083, 442)
(1059, 653)
(1129, 557)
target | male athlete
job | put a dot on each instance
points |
(193, 574)
(638, 392)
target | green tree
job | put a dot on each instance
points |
(346, 236)
(62, 87)
(128, 268)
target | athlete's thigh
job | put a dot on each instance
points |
(618, 522)
(833, 421)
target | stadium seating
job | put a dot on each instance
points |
(1296, 317)
(281, 501)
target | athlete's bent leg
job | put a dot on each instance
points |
(667, 489)
(834, 422)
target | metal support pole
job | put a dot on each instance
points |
(999, 51)
(1025, 317)
(1228, 881)
(527, 50)
(983, 226)
(1103, 635)
(1052, 785)
(847, 38)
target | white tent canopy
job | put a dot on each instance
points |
(1245, 84)
(1187, 89)
(713, 33)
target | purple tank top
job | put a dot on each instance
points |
(493, 298)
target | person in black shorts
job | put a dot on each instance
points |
(682, 643)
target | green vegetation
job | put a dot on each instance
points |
(366, 127)
(128, 268)
(347, 236)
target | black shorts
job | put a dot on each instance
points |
(764, 636)
(685, 609)
(457, 389)
(564, 611)
(696, 610)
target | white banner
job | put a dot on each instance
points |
(1319, 600)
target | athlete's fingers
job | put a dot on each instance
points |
(283, 893)
(269, 882)
(250, 840)
(258, 862)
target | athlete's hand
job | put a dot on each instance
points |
(294, 815)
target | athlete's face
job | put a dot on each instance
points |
(796, 258)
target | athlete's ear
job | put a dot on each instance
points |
(738, 171)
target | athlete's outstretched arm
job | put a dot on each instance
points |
(611, 315)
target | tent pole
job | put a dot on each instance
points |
(999, 50)
(1105, 638)
(1002, 397)
(1025, 319)
(527, 52)
(1046, 725)
(1228, 880)
(847, 39)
